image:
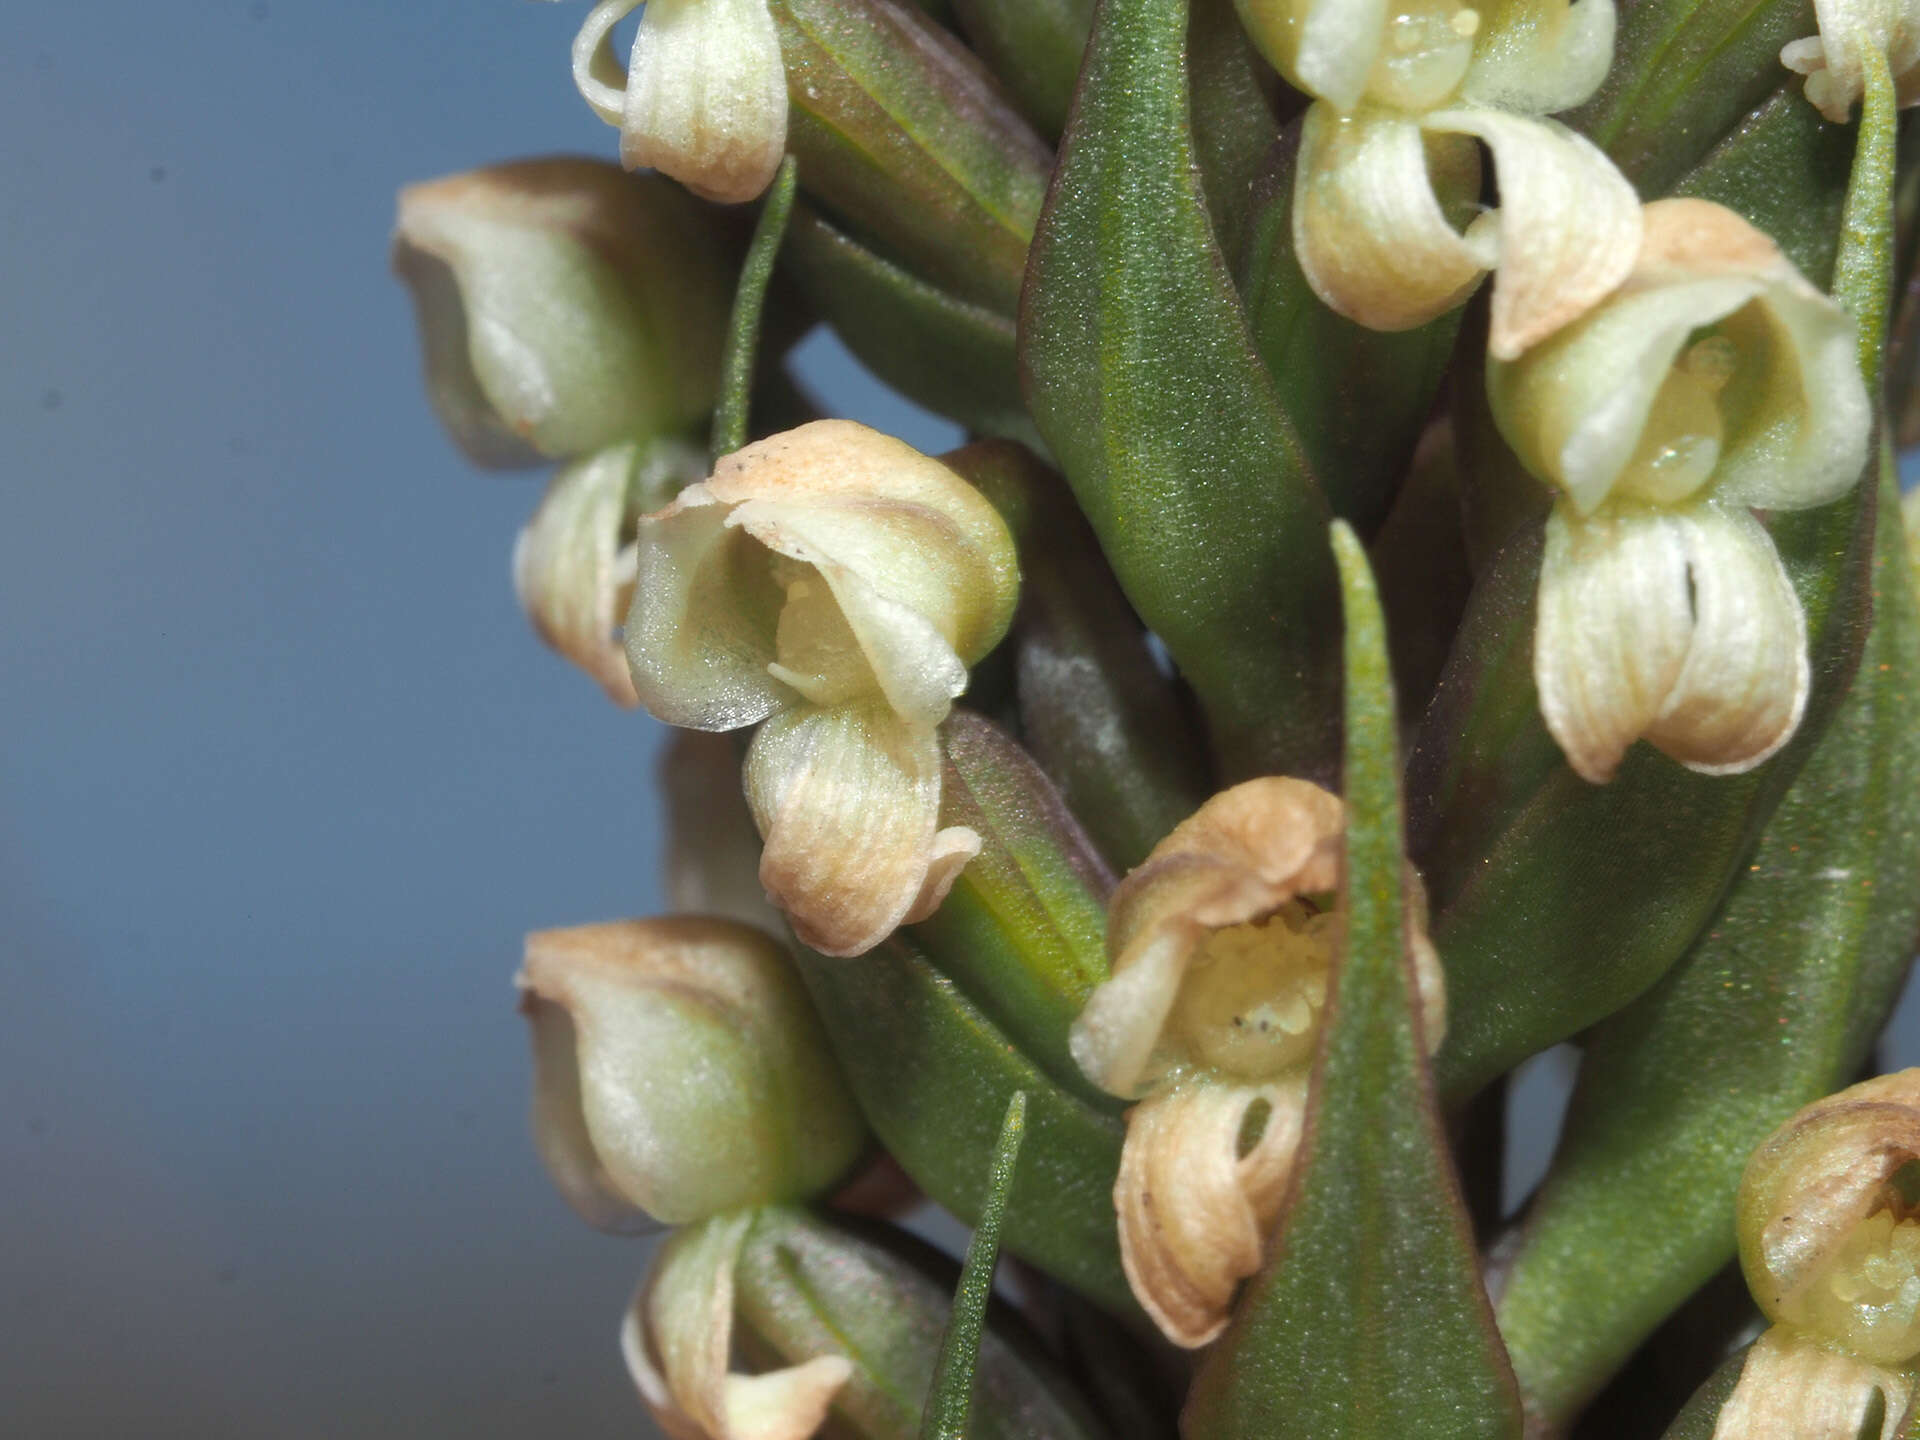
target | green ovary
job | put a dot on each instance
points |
(1868, 1299)
(1423, 54)
(1680, 443)
(1253, 995)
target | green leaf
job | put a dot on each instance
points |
(949, 1406)
(1685, 73)
(1024, 929)
(899, 131)
(807, 1285)
(1233, 118)
(1034, 48)
(1096, 710)
(1141, 376)
(1359, 397)
(749, 302)
(1371, 1318)
(953, 356)
(934, 1076)
(1775, 1006)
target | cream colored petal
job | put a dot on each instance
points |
(1743, 688)
(838, 492)
(597, 72)
(1793, 1388)
(1536, 57)
(560, 1133)
(700, 633)
(572, 574)
(1802, 439)
(1678, 627)
(706, 97)
(1193, 1209)
(1833, 60)
(1575, 407)
(1569, 223)
(1612, 631)
(678, 1338)
(952, 848)
(1325, 47)
(848, 802)
(1369, 233)
(1113, 1037)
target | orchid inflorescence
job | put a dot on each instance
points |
(1037, 808)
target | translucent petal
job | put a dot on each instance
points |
(1537, 57)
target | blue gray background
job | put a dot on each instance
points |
(283, 774)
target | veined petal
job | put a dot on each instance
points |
(571, 569)
(678, 1338)
(1536, 57)
(1369, 232)
(848, 802)
(1194, 1198)
(1792, 1387)
(1569, 223)
(706, 97)
(1740, 695)
(1678, 627)
(701, 630)
(1612, 631)
(597, 72)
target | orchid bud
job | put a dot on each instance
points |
(835, 583)
(1534, 56)
(704, 97)
(1716, 378)
(827, 1328)
(573, 565)
(564, 308)
(680, 1072)
(1223, 943)
(1833, 61)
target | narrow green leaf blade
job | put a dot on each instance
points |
(950, 1400)
(749, 304)
(1143, 380)
(1370, 1319)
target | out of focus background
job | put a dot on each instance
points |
(284, 776)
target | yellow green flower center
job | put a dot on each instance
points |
(1253, 995)
(1424, 53)
(1868, 1298)
(1680, 445)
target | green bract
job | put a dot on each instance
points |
(1526, 356)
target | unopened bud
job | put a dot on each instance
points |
(564, 307)
(704, 98)
(680, 1072)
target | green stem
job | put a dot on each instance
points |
(749, 301)
(1863, 269)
